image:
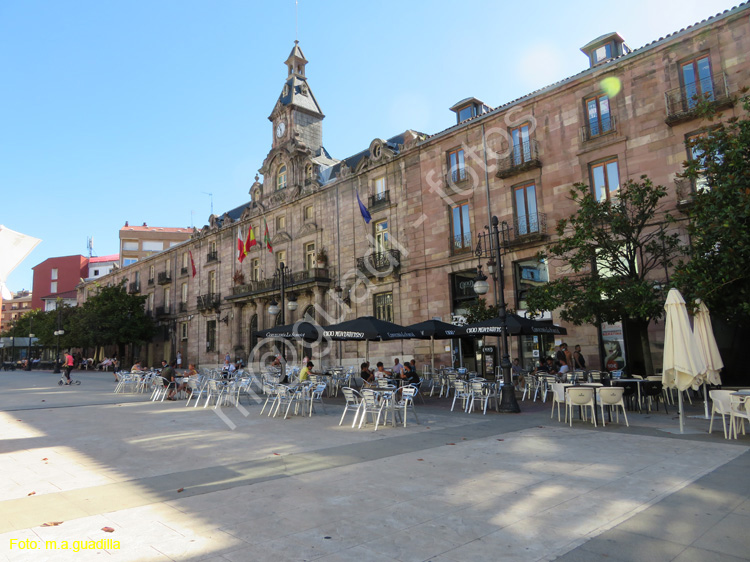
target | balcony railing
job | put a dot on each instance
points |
(461, 243)
(212, 256)
(380, 199)
(134, 287)
(164, 277)
(597, 129)
(150, 280)
(183, 271)
(209, 300)
(380, 262)
(523, 156)
(682, 102)
(320, 274)
(182, 307)
(162, 310)
(528, 228)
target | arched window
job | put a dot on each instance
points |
(309, 171)
(281, 178)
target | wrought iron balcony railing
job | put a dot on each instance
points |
(150, 280)
(380, 262)
(596, 129)
(209, 300)
(461, 243)
(380, 199)
(183, 306)
(523, 156)
(316, 274)
(162, 310)
(134, 287)
(682, 102)
(527, 228)
(183, 270)
(164, 277)
(212, 256)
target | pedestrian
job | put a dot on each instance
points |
(179, 360)
(579, 361)
(69, 362)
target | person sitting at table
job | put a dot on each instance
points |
(548, 366)
(365, 374)
(397, 368)
(168, 374)
(137, 368)
(410, 376)
(190, 374)
(517, 373)
(306, 371)
(276, 361)
(380, 372)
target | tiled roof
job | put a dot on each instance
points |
(100, 259)
(156, 229)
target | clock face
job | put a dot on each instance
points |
(280, 128)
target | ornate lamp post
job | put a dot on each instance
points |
(59, 332)
(28, 347)
(282, 277)
(489, 247)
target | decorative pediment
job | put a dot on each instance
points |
(280, 238)
(307, 228)
(344, 171)
(362, 165)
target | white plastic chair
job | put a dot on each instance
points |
(612, 396)
(558, 397)
(582, 397)
(721, 405)
(158, 389)
(739, 412)
(197, 391)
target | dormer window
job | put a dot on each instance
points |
(604, 48)
(468, 108)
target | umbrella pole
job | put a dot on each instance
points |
(432, 358)
(367, 350)
(682, 413)
(705, 398)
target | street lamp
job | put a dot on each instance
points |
(492, 250)
(59, 332)
(28, 347)
(282, 277)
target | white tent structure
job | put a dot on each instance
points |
(704, 335)
(683, 365)
(14, 248)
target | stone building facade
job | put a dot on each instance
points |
(429, 196)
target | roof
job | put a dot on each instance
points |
(299, 94)
(156, 229)
(597, 68)
(100, 259)
(66, 295)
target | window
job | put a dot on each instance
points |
(253, 329)
(167, 300)
(185, 261)
(130, 245)
(212, 282)
(695, 153)
(524, 198)
(129, 261)
(307, 213)
(461, 232)
(150, 302)
(605, 179)
(281, 258)
(184, 293)
(381, 194)
(602, 53)
(53, 274)
(529, 273)
(696, 79)
(255, 269)
(280, 223)
(281, 178)
(309, 171)
(153, 246)
(96, 272)
(381, 237)
(151, 274)
(53, 287)
(183, 331)
(211, 335)
(310, 255)
(383, 306)
(521, 145)
(456, 167)
(466, 113)
(598, 116)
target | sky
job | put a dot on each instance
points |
(137, 110)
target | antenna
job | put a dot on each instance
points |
(296, 26)
(211, 195)
(90, 245)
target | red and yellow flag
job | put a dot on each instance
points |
(250, 242)
(241, 253)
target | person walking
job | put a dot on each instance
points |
(179, 360)
(579, 361)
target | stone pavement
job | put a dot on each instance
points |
(177, 483)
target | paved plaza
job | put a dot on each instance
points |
(176, 483)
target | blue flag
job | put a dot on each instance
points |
(363, 210)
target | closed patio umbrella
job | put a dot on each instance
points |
(436, 330)
(683, 364)
(704, 334)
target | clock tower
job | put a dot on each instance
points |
(297, 118)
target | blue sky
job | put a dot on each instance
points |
(133, 110)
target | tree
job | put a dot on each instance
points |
(718, 270)
(479, 310)
(615, 254)
(112, 317)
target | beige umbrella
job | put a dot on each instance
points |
(683, 364)
(704, 334)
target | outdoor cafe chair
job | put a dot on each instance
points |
(157, 388)
(583, 398)
(612, 396)
(218, 392)
(558, 397)
(721, 404)
(483, 392)
(653, 392)
(739, 412)
(461, 391)
(353, 399)
(371, 406)
(408, 394)
(316, 395)
(197, 391)
(270, 391)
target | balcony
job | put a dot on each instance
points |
(524, 156)
(150, 281)
(134, 287)
(379, 200)
(682, 102)
(378, 264)
(183, 271)
(162, 310)
(528, 229)
(209, 301)
(686, 190)
(164, 277)
(297, 281)
(212, 256)
(461, 243)
(594, 130)
(182, 307)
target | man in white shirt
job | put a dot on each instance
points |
(398, 368)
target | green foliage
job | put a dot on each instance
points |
(718, 270)
(479, 310)
(617, 252)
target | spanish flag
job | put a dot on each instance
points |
(250, 242)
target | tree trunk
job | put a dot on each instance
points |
(648, 362)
